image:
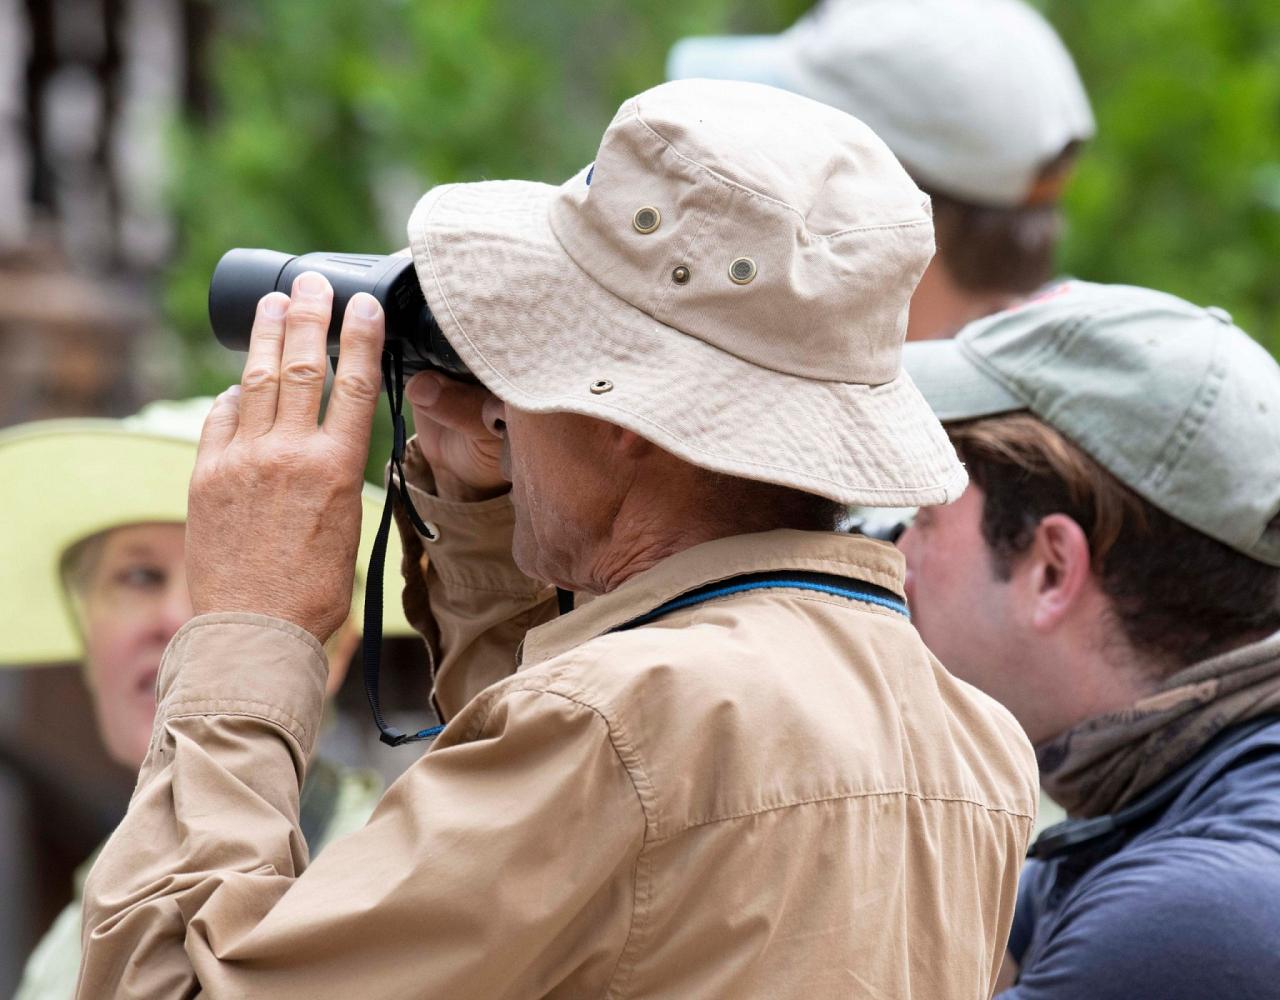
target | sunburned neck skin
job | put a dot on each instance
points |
(940, 307)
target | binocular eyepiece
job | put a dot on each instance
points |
(243, 277)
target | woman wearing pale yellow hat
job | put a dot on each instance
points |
(94, 571)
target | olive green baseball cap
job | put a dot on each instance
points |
(74, 478)
(1174, 400)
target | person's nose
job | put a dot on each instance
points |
(494, 415)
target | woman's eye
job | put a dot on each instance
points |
(140, 577)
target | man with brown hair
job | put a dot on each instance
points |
(980, 101)
(1112, 575)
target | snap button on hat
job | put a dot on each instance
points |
(742, 271)
(680, 275)
(646, 219)
(1220, 314)
(601, 386)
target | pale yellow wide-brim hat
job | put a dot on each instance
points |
(67, 480)
(729, 279)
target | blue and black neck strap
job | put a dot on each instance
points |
(822, 583)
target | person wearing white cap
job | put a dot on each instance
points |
(1112, 575)
(93, 571)
(734, 770)
(980, 101)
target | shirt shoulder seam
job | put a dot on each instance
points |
(840, 797)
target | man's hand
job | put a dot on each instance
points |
(273, 520)
(464, 455)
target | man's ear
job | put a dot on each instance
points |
(629, 443)
(1058, 568)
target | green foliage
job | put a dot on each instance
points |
(1181, 188)
(334, 116)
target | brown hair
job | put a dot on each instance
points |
(988, 248)
(1178, 595)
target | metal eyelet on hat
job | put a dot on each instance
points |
(646, 219)
(681, 275)
(432, 533)
(600, 386)
(742, 271)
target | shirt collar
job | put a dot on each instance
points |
(852, 556)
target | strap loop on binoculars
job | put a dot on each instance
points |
(397, 492)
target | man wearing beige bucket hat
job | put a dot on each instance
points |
(733, 770)
(979, 99)
(93, 572)
(1113, 576)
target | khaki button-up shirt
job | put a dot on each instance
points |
(779, 793)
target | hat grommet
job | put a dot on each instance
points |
(681, 275)
(646, 219)
(742, 271)
(600, 386)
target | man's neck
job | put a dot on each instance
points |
(940, 307)
(671, 507)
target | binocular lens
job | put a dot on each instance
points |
(244, 276)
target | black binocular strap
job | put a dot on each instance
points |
(397, 492)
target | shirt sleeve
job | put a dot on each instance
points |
(463, 591)
(499, 865)
(1181, 920)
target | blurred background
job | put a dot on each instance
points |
(140, 139)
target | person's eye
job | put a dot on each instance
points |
(140, 577)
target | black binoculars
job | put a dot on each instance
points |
(243, 277)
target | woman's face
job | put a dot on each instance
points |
(132, 596)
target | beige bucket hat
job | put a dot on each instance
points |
(729, 279)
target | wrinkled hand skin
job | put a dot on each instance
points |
(274, 508)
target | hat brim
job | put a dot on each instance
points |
(71, 479)
(541, 333)
(954, 385)
(752, 58)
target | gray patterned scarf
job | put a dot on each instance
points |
(1105, 762)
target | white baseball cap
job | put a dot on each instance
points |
(975, 97)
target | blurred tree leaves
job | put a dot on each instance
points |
(334, 116)
(1181, 188)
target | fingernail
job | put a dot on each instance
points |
(423, 389)
(311, 283)
(365, 306)
(275, 305)
(231, 391)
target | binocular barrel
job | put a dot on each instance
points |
(244, 276)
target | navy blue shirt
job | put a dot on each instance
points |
(1188, 907)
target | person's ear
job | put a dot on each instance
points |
(629, 444)
(1057, 568)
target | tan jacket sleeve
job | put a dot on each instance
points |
(463, 591)
(499, 865)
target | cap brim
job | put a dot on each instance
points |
(953, 385)
(751, 58)
(71, 479)
(540, 333)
